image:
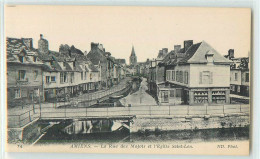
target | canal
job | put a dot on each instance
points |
(113, 131)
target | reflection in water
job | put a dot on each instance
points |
(92, 126)
(87, 131)
(107, 131)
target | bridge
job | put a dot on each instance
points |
(152, 111)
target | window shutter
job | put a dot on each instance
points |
(184, 77)
(200, 77)
(211, 77)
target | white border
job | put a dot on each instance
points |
(253, 4)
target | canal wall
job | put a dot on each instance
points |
(25, 134)
(189, 122)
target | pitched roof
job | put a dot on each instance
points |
(197, 54)
(96, 55)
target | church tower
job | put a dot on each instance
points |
(133, 58)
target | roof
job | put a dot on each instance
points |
(197, 54)
(96, 55)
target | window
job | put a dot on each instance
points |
(178, 92)
(171, 93)
(181, 76)
(186, 77)
(63, 77)
(233, 88)
(177, 76)
(247, 77)
(35, 75)
(85, 75)
(53, 79)
(21, 59)
(72, 78)
(34, 59)
(51, 63)
(36, 92)
(173, 75)
(47, 79)
(21, 74)
(235, 76)
(206, 77)
(90, 75)
(168, 75)
(81, 75)
(17, 93)
(238, 89)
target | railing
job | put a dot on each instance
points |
(71, 112)
(20, 120)
(15, 121)
(89, 99)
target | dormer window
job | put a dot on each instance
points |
(21, 59)
(209, 56)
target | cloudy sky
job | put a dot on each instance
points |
(118, 28)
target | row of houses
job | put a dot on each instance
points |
(239, 74)
(36, 75)
(195, 74)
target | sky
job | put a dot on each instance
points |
(148, 29)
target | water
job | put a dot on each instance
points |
(109, 131)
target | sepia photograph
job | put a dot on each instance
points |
(118, 79)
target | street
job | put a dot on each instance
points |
(141, 97)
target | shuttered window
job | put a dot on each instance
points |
(206, 77)
(211, 78)
(200, 77)
(186, 77)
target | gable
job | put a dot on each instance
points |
(200, 55)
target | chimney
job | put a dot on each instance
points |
(231, 53)
(41, 36)
(177, 48)
(165, 51)
(94, 45)
(187, 44)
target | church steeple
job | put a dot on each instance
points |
(133, 58)
(133, 51)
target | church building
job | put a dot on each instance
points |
(133, 58)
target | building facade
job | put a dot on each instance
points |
(24, 73)
(195, 75)
(239, 74)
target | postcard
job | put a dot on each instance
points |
(128, 79)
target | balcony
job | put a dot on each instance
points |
(24, 81)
